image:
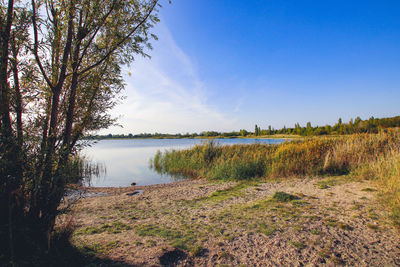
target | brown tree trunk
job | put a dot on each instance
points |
(7, 144)
(71, 106)
(18, 96)
(5, 90)
(50, 190)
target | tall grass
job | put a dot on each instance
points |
(374, 157)
(81, 171)
(369, 156)
(386, 171)
(311, 156)
(354, 151)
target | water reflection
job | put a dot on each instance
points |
(127, 161)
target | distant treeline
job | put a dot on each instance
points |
(372, 125)
(165, 136)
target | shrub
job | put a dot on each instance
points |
(283, 197)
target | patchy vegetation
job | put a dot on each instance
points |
(200, 223)
(283, 197)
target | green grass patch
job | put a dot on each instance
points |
(315, 232)
(196, 251)
(329, 182)
(344, 226)
(297, 245)
(98, 248)
(154, 230)
(113, 228)
(236, 190)
(224, 194)
(283, 197)
(331, 222)
(177, 238)
(266, 229)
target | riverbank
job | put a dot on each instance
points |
(250, 136)
(331, 220)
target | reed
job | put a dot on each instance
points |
(307, 157)
(367, 156)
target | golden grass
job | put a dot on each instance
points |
(386, 172)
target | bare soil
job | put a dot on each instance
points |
(333, 221)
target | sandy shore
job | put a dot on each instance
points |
(332, 221)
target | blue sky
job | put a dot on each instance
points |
(228, 65)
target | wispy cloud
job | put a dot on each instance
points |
(166, 94)
(239, 104)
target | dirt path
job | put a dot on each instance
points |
(330, 221)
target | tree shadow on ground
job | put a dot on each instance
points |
(63, 253)
(172, 257)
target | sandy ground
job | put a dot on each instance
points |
(334, 221)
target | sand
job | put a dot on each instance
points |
(334, 221)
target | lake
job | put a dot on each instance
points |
(128, 160)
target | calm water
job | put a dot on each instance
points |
(127, 161)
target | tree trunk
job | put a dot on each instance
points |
(18, 96)
(7, 144)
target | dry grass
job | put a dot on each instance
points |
(385, 171)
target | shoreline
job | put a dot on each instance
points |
(206, 138)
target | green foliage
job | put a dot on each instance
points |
(113, 228)
(297, 245)
(178, 239)
(243, 133)
(196, 250)
(267, 229)
(315, 232)
(154, 230)
(283, 197)
(371, 125)
(80, 170)
(257, 130)
(99, 248)
(210, 151)
(230, 192)
(237, 170)
(311, 156)
(244, 162)
(344, 226)
(327, 183)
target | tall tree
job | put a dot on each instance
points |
(60, 74)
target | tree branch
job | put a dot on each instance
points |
(95, 33)
(36, 47)
(67, 47)
(122, 41)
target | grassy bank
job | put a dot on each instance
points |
(368, 156)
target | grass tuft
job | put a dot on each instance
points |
(283, 197)
(297, 245)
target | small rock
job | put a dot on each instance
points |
(132, 193)
(133, 184)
